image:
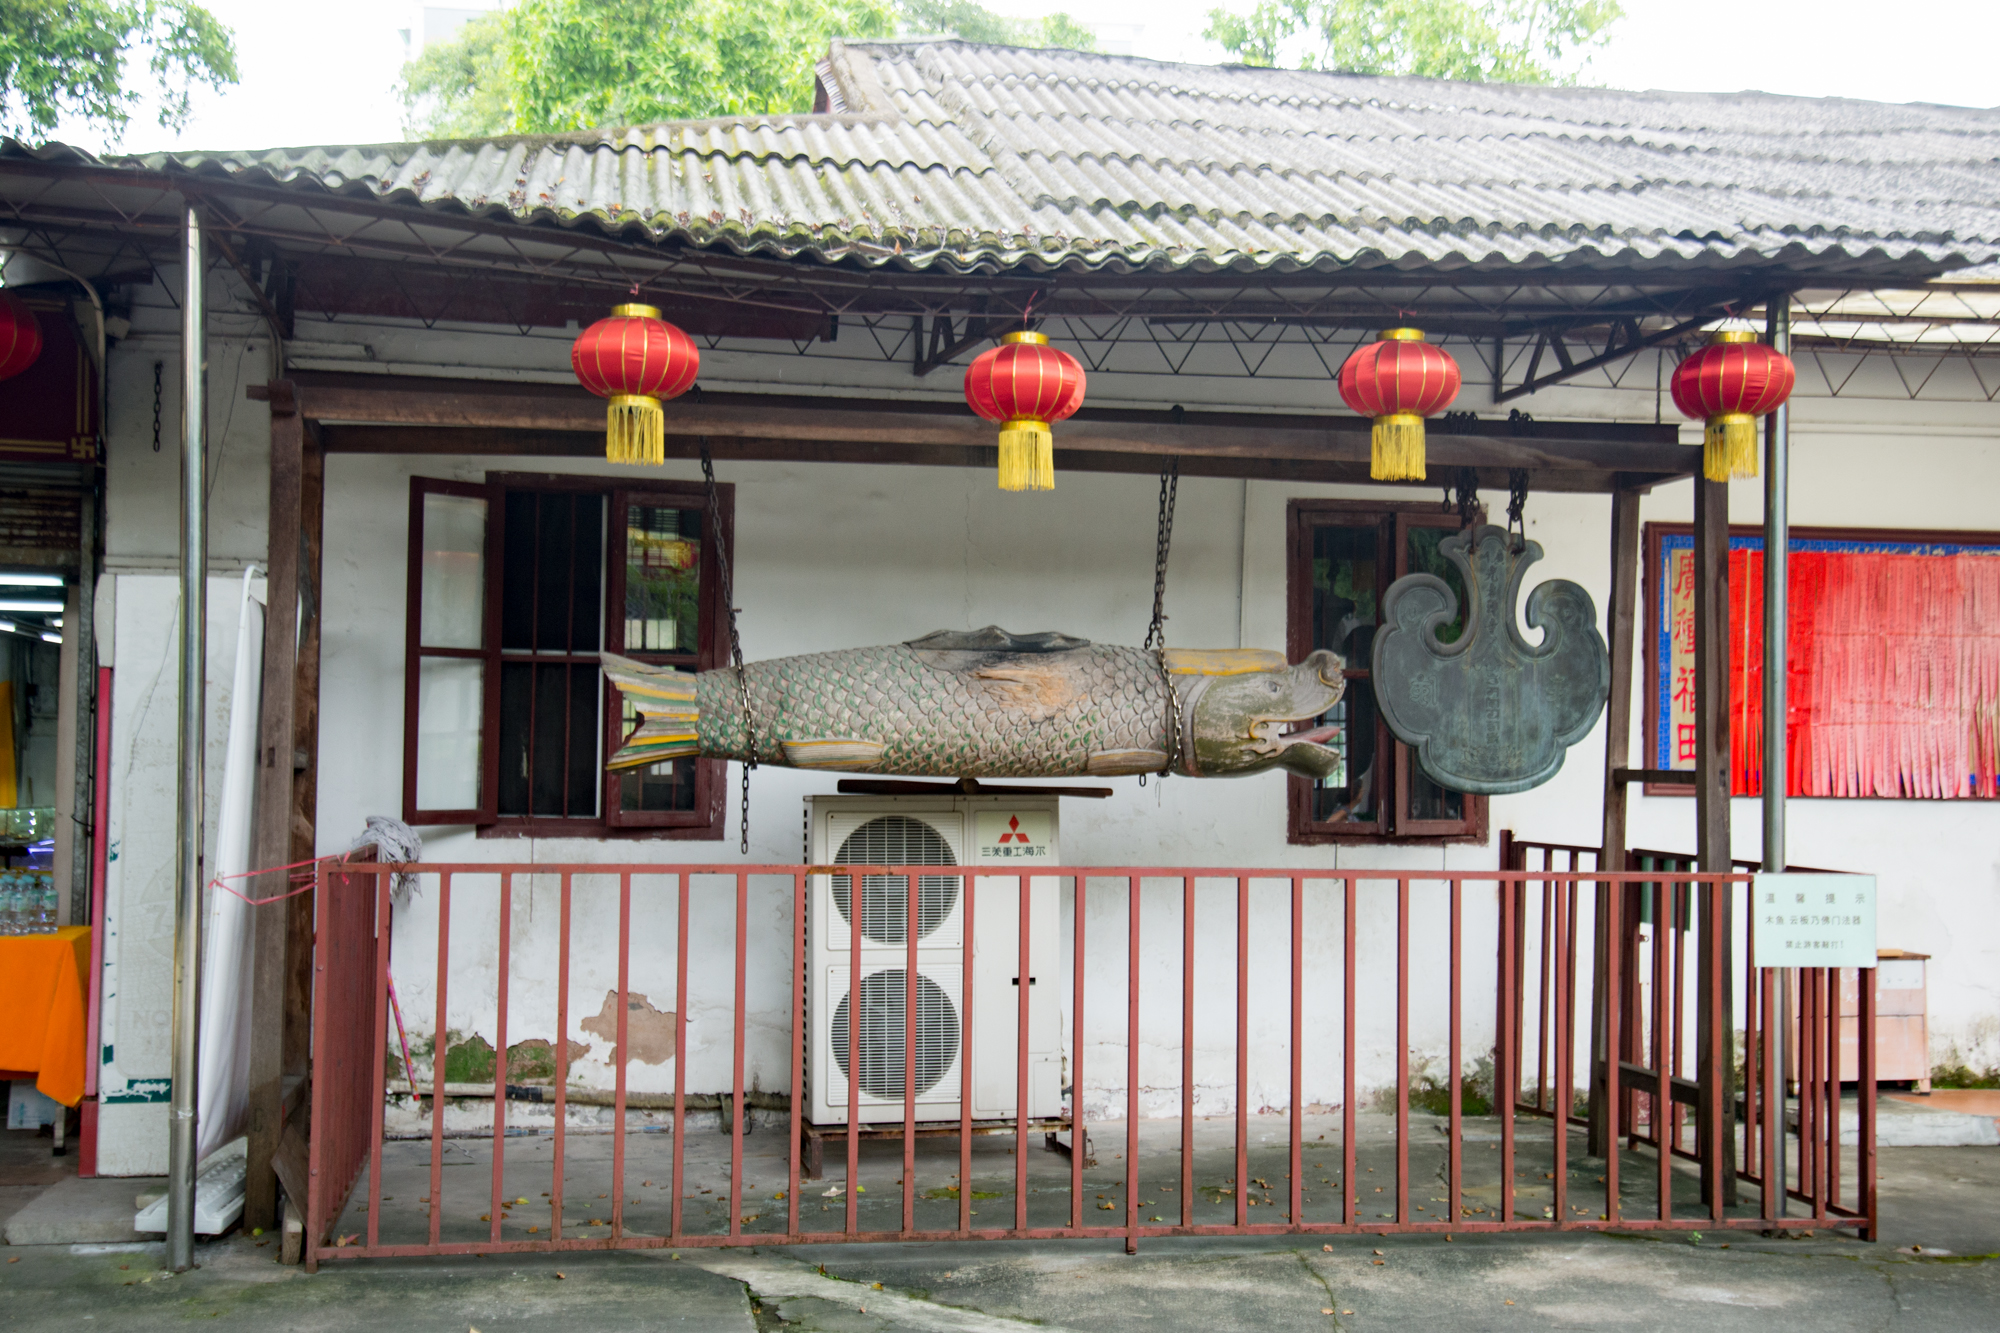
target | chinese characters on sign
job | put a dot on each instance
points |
(1011, 835)
(1680, 659)
(1814, 920)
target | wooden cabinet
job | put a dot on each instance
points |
(1902, 1020)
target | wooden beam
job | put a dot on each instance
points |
(1670, 777)
(1620, 619)
(272, 835)
(305, 753)
(1546, 449)
(501, 442)
(1714, 1028)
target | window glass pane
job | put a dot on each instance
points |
(663, 786)
(1425, 558)
(451, 613)
(1430, 801)
(552, 572)
(450, 691)
(1353, 793)
(549, 730)
(1344, 615)
(662, 579)
(1343, 599)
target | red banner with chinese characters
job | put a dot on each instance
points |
(1893, 666)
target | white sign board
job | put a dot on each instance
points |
(1815, 920)
(1015, 835)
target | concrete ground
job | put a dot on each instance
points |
(1937, 1267)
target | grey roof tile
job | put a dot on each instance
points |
(1000, 156)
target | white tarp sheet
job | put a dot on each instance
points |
(223, 1096)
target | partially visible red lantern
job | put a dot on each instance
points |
(1398, 380)
(1729, 384)
(20, 336)
(1025, 385)
(635, 359)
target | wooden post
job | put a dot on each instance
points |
(1714, 1028)
(1620, 615)
(284, 791)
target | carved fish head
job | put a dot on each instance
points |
(1237, 722)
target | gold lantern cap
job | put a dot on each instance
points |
(1029, 336)
(1402, 335)
(1732, 336)
(637, 311)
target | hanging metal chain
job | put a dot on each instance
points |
(1517, 504)
(1163, 540)
(728, 592)
(158, 368)
(1465, 481)
(1156, 633)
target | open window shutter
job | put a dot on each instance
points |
(450, 662)
(665, 608)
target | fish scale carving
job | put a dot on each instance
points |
(986, 703)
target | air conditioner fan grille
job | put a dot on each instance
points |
(896, 840)
(884, 1003)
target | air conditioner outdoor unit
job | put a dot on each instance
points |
(993, 832)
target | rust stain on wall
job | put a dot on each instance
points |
(650, 1031)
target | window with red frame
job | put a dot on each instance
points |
(515, 586)
(1343, 555)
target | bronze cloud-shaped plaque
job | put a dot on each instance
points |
(1489, 713)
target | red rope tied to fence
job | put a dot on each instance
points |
(302, 876)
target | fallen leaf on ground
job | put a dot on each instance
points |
(561, 1276)
(1323, 1310)
(1327, 1248)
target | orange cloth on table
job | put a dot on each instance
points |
(42, 1008)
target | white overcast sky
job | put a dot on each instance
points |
(320, 73)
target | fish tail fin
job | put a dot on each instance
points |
(671, 716)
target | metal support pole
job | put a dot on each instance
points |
(1777, 521)
(187, 822)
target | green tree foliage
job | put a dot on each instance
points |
(975, 23)
(1499, 41)
(553, 66)
(67, 58)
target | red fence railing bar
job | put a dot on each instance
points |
(1522, 906)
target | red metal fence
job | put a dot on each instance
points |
(1482, 1193)
(1665, 1090)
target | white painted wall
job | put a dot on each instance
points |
(841, 556)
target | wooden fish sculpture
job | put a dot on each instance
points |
(987, 703)
(1489, 712)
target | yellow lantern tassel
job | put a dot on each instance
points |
(1729, 446)
(635, 430)
(1027, 456)
(1396, 447)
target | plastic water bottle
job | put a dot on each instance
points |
(10, 904)
(51, 903)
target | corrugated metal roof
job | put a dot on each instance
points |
(955, 155)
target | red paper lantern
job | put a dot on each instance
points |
(1729, 384)
(1025, 385)
(635, 359)
(1398, 380)
(20, 336)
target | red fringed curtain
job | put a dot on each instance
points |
(1894, 674)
